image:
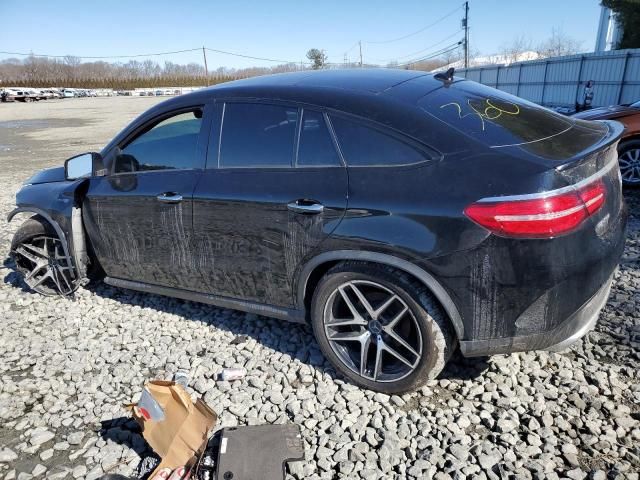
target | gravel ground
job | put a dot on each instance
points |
(67, 367)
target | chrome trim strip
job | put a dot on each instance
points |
(552, 193)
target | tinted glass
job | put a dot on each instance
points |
(498, 119)
(316, 147)
(364, 146)
(171, 144)
(257, 135)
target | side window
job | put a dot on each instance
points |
(257, 135)
(364, 146)
(170, 144)
(316, 146)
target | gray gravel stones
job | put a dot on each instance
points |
(67, 367)
(38, 437)
(7, 455)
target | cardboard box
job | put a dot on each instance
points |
(182, 436)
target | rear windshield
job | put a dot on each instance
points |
(498, 119)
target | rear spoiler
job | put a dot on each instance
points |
(611, 138)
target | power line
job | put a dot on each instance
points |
(31, 54)
(254, 58)
(352, 47)
(155, 54)
(417, 31)
(449, 37)
(447, 49)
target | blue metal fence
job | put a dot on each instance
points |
(560, 81)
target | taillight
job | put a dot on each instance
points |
(548, 215)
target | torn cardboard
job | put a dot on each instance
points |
(182, 436)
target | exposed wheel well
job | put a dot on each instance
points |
(438, 292)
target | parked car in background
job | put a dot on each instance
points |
(25, 95)
(10, 94)
(68, 93)
(402, 214)
(33, 95)
(629, 147)
(55, 93)
(43, 94)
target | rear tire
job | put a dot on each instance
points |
(629, 160)
(402, 350)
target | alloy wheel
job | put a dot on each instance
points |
(45, 267)
(372, 331)
(630, 166)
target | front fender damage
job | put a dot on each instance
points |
(59, 204)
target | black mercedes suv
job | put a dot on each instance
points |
(402, 214)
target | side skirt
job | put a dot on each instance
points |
(289, 314)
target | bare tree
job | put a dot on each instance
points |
(559, 44)
(452, 56)
(512, 51)
(71, 67)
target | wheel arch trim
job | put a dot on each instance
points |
(53, 223)
(423, 276)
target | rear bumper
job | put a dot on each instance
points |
(559, 338)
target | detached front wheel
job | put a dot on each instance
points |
(379, 327)
(40, 258)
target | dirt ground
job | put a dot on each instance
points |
(43, 134)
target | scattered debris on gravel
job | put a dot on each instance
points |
(67, 367)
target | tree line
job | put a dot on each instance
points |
(72, 72)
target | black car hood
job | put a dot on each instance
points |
(603, 113)
(47, 175)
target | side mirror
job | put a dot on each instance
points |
(84, 165)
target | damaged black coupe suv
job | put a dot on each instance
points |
(402, 214)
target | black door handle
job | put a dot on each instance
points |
(306, 206)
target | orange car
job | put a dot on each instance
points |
(629, 148)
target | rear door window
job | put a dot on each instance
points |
(363, 146)
(316, 147)
(257, 135)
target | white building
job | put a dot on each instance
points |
(609, 31)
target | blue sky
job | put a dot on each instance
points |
(284, 29)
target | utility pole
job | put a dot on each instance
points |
(206, 69)
(360, 45)
(465, 24)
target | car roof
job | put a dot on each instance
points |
(325, 87)
(370, 80)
